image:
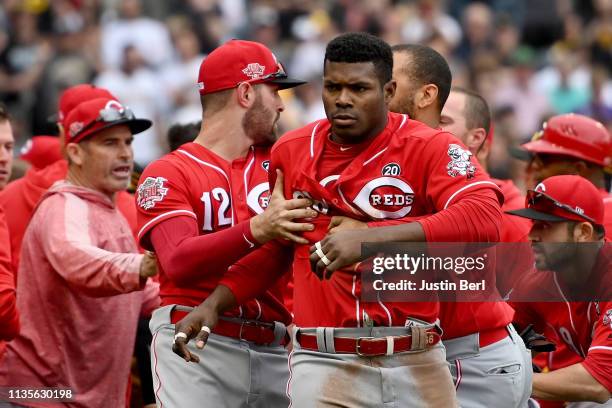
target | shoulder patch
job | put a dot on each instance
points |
(151, 191)
(607, 319)
(459, 164)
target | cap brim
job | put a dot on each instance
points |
(286, 83)
(537, 215)
(520, 153)
(545, 147)
(136, 125)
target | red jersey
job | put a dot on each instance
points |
(408, 170)
(20, 197)
(462, 318)
(194, 182)
(582, 330)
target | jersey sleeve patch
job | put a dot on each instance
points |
(459, 164)
(151, 191)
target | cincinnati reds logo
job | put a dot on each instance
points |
(607, 319)
(385, 197)
(540, 187)
(112, 104)
(254, 70)
(151, 191)
(459, 164)
(259, 197)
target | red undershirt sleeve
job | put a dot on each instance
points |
(473, 218)
(186, 256)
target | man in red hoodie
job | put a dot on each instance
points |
(21, 196)
(81, 263)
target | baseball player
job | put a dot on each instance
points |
(489, 362)
(205, 206)
(572, 256)
(21, 196)
(348, 352)
(572, 144)
(569, 144)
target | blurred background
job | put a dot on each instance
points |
(530, 59)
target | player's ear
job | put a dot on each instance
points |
(428, 95)
(389, 90)
(245, 95)
(475, 139)
(584, 232)
(75, 154)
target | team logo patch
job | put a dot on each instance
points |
(75, 128)
(266, 165)
(607, 319)
(391, 169)
(151, 191)
(385, 197)
(253, 70)
(459, 164)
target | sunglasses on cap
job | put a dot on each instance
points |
(109, 115)
(547, 204)
(280, 74)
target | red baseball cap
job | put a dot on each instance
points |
(239, 61)
(41, 151)
(90, 117)
(564, 198)
(572, 135)
(74, 95)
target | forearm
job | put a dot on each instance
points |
(95, 271)
(257, 272)
(402, 232)
(571, 383)
(220, 300)
(186, 256)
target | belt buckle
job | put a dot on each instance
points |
(260, 326)
(358, 347)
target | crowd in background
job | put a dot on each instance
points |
(529, 59)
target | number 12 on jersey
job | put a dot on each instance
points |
(221, 196)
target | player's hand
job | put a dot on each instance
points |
(148, 266)
(339, 223)
(341, 249)
(278, 220)
(193, 326)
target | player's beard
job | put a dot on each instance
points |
(554, 256)
(405, 105)
(259, 123)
